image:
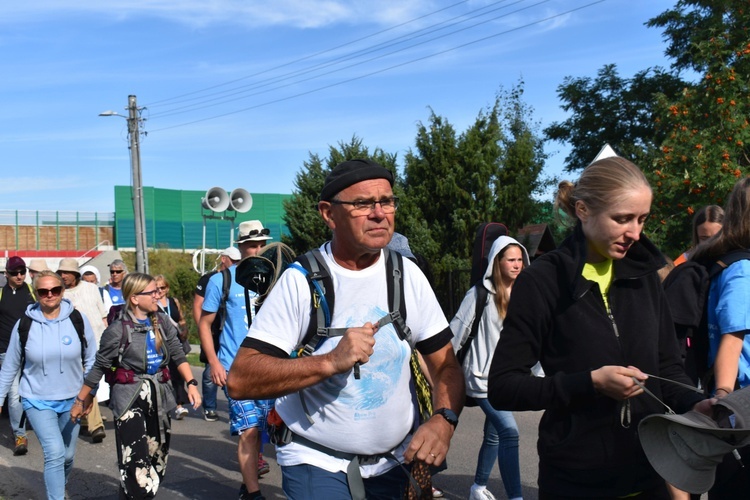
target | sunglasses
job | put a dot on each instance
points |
(16, 273)
(162, 288)
(44, 292)
(116, 271)
(152, 292)
(255, 232)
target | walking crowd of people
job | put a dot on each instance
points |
(350, 368)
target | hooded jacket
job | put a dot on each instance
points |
(54, 369)
(134, 358)
(476, 365)
(587, 446)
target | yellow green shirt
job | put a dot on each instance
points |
(601, 274)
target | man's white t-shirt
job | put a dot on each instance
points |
(366, 416)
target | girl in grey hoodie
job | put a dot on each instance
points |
(507, 258)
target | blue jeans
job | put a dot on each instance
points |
(307, 482)
(209, 390)
(15, 409)
(58, 436)
(500, 442)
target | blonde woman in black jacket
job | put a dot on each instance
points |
(594, 314)
(135, 351)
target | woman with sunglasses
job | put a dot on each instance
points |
(52, 371)
(171, 307)
(135, 351)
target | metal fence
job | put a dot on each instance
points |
(54, 230)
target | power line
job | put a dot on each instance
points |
(311, 55)
(360, 77)
(226, 98)
(332, 62)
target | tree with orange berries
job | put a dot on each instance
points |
(706, 126)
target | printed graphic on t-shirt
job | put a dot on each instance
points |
(379, 377)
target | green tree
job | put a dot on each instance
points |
(522, 162)
(611, 109)
(705, 125)
(306, 227)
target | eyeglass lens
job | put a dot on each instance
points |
(43, 292)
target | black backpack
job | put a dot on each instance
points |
(221, 314)
(686, 288)
(24, 325)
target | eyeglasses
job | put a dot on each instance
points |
(44, 292)
(162, 288)
(152, 292)
(388, 205)
(16, 273)
(116, 271)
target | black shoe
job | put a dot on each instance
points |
(98, 435)
(246, 495)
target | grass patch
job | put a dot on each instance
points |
(194, 359)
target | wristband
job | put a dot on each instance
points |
(79, 400)
(192, 382)
(723, 389)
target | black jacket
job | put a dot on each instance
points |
(559, 318)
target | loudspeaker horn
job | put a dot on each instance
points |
(240, 200)
(216, 199)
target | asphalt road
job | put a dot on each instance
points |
(203, 462)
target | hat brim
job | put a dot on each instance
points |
(254, 238)
(75, 271)
(686, 449)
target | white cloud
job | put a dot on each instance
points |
(258, 13)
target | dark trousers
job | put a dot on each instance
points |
(142, 466)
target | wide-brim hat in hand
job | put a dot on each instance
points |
(686, 449)
(253, 230)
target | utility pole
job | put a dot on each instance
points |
(134, 135)
(141, 247)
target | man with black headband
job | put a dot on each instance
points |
(352, 427)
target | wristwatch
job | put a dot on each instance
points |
(447, 414)
(192, 382)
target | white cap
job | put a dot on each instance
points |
(232, 252)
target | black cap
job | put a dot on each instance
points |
(351, 172)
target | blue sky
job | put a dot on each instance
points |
(238, 93)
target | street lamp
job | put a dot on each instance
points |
(141, 254)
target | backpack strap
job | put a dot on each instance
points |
(727, 260)
(24, 325)
(480, 293)
(226, 283)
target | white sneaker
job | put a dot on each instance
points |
(481, 494)
(180, 413)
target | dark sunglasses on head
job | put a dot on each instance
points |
(116, 271)
(16, 272)
(44, 292)
(255, 232)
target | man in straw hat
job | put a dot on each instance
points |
(247, 417)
